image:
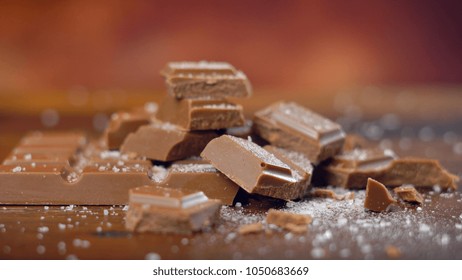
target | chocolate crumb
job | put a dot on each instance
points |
(289, 221)
(377, 196)
(251, 228)
(393, 252)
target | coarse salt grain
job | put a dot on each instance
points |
(43, 229)
(41, 249)
(152, 256)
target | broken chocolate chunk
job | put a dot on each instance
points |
(253, 168)
(156, 209)
(166, 142)
(377, 196)
(296, 223)
(409, 194)
(289, 125)
(201, 114)
(205, 80)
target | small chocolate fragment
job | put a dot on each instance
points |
(327, 193)
(205, 80)
(351, 170)
(289, 125)
(155, 209)
(253, 168)
(166, 142)
(377, 196)
(124, 123)
(393, 252)
(409, 194)
(201, 114)
(294, 222)
(198, 175)
(251, 228)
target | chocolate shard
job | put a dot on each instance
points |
(253, 168)
(166, 142)
(162, 210)
(289, 125)
(199, 175)
(378, 199)
(409, 194)
(328, 193)
(296, 223)
(205, 80)
(251, 228)
(351, 170)
(201, 114)
(124, 123)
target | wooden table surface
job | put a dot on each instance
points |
(421, 121)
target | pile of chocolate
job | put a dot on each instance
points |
(176, 163)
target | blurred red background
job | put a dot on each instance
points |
(278, 44)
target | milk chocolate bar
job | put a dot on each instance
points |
(289, 125)
(199, 175)
(92, 177)
(253, 168)
(162, 210)
(164, 141)
(201, 114)
(377, 196)
(124, 123)
(205, 80)
(351, 170)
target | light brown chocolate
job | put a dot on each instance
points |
(124, 123)
(198, 175)
(200, 114)
(393, 252)
(166, 142)
(327, 193)
(251, 228)
(205, 80)
(378, 199)
(296, 223)
(253, 168)
(409, 194)
(289, 125)
(162, 210)
(351, 170)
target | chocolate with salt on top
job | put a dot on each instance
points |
(205, 80)
(289, 125)
(164, 210)
(377, 196)
(352, 169)
(164, 141)
(201, 114)
(253, 168)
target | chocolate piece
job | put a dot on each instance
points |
(354, 141)
(251, 228)
(205, 80)
(351, 170)
(156, 209)
(298, 163)
(124, 123)
(393, 252)
(90, 178)
(198, 175)
(201, 114)
(253, 168)
(409, 194)
(166, 142)
(289, 125)
(294, 222)
(326, 193)
(377, 196)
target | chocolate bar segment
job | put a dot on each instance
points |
(289, 125)
(156, 209)
(205, 80)
(198, 175)
(351, 170)
(166, 142)
(377, 196)
(253, 168)
(201, 114)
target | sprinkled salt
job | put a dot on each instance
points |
(99, 229)
(419, 209)
(70, 207)
(238, 204)
(41, 249)
(152, 256)
(27, 157)
(317, 253)
(125, 208)
(43, 229)
(16, 169)
(424, 228)
(185, 241)
(457, 148)
(445, 239)
(105, 212)
(61, 226)
(46, 207)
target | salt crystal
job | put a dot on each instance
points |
(106, 212)
(152, 256)
(424, 228)
(72, 257)
(125, 208)
(43, 229)
(61, 226)
(288, 236)
(457, 148)
(115, 169)
(99, 229)
(458, 226)
(317, 253)
(238, 204)
(46, 207)
(419, 209)
(27, 157)
(70, 207)
(437, 188)
(16, 169)
(185, 241)
(41, 249)
(445, 239)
